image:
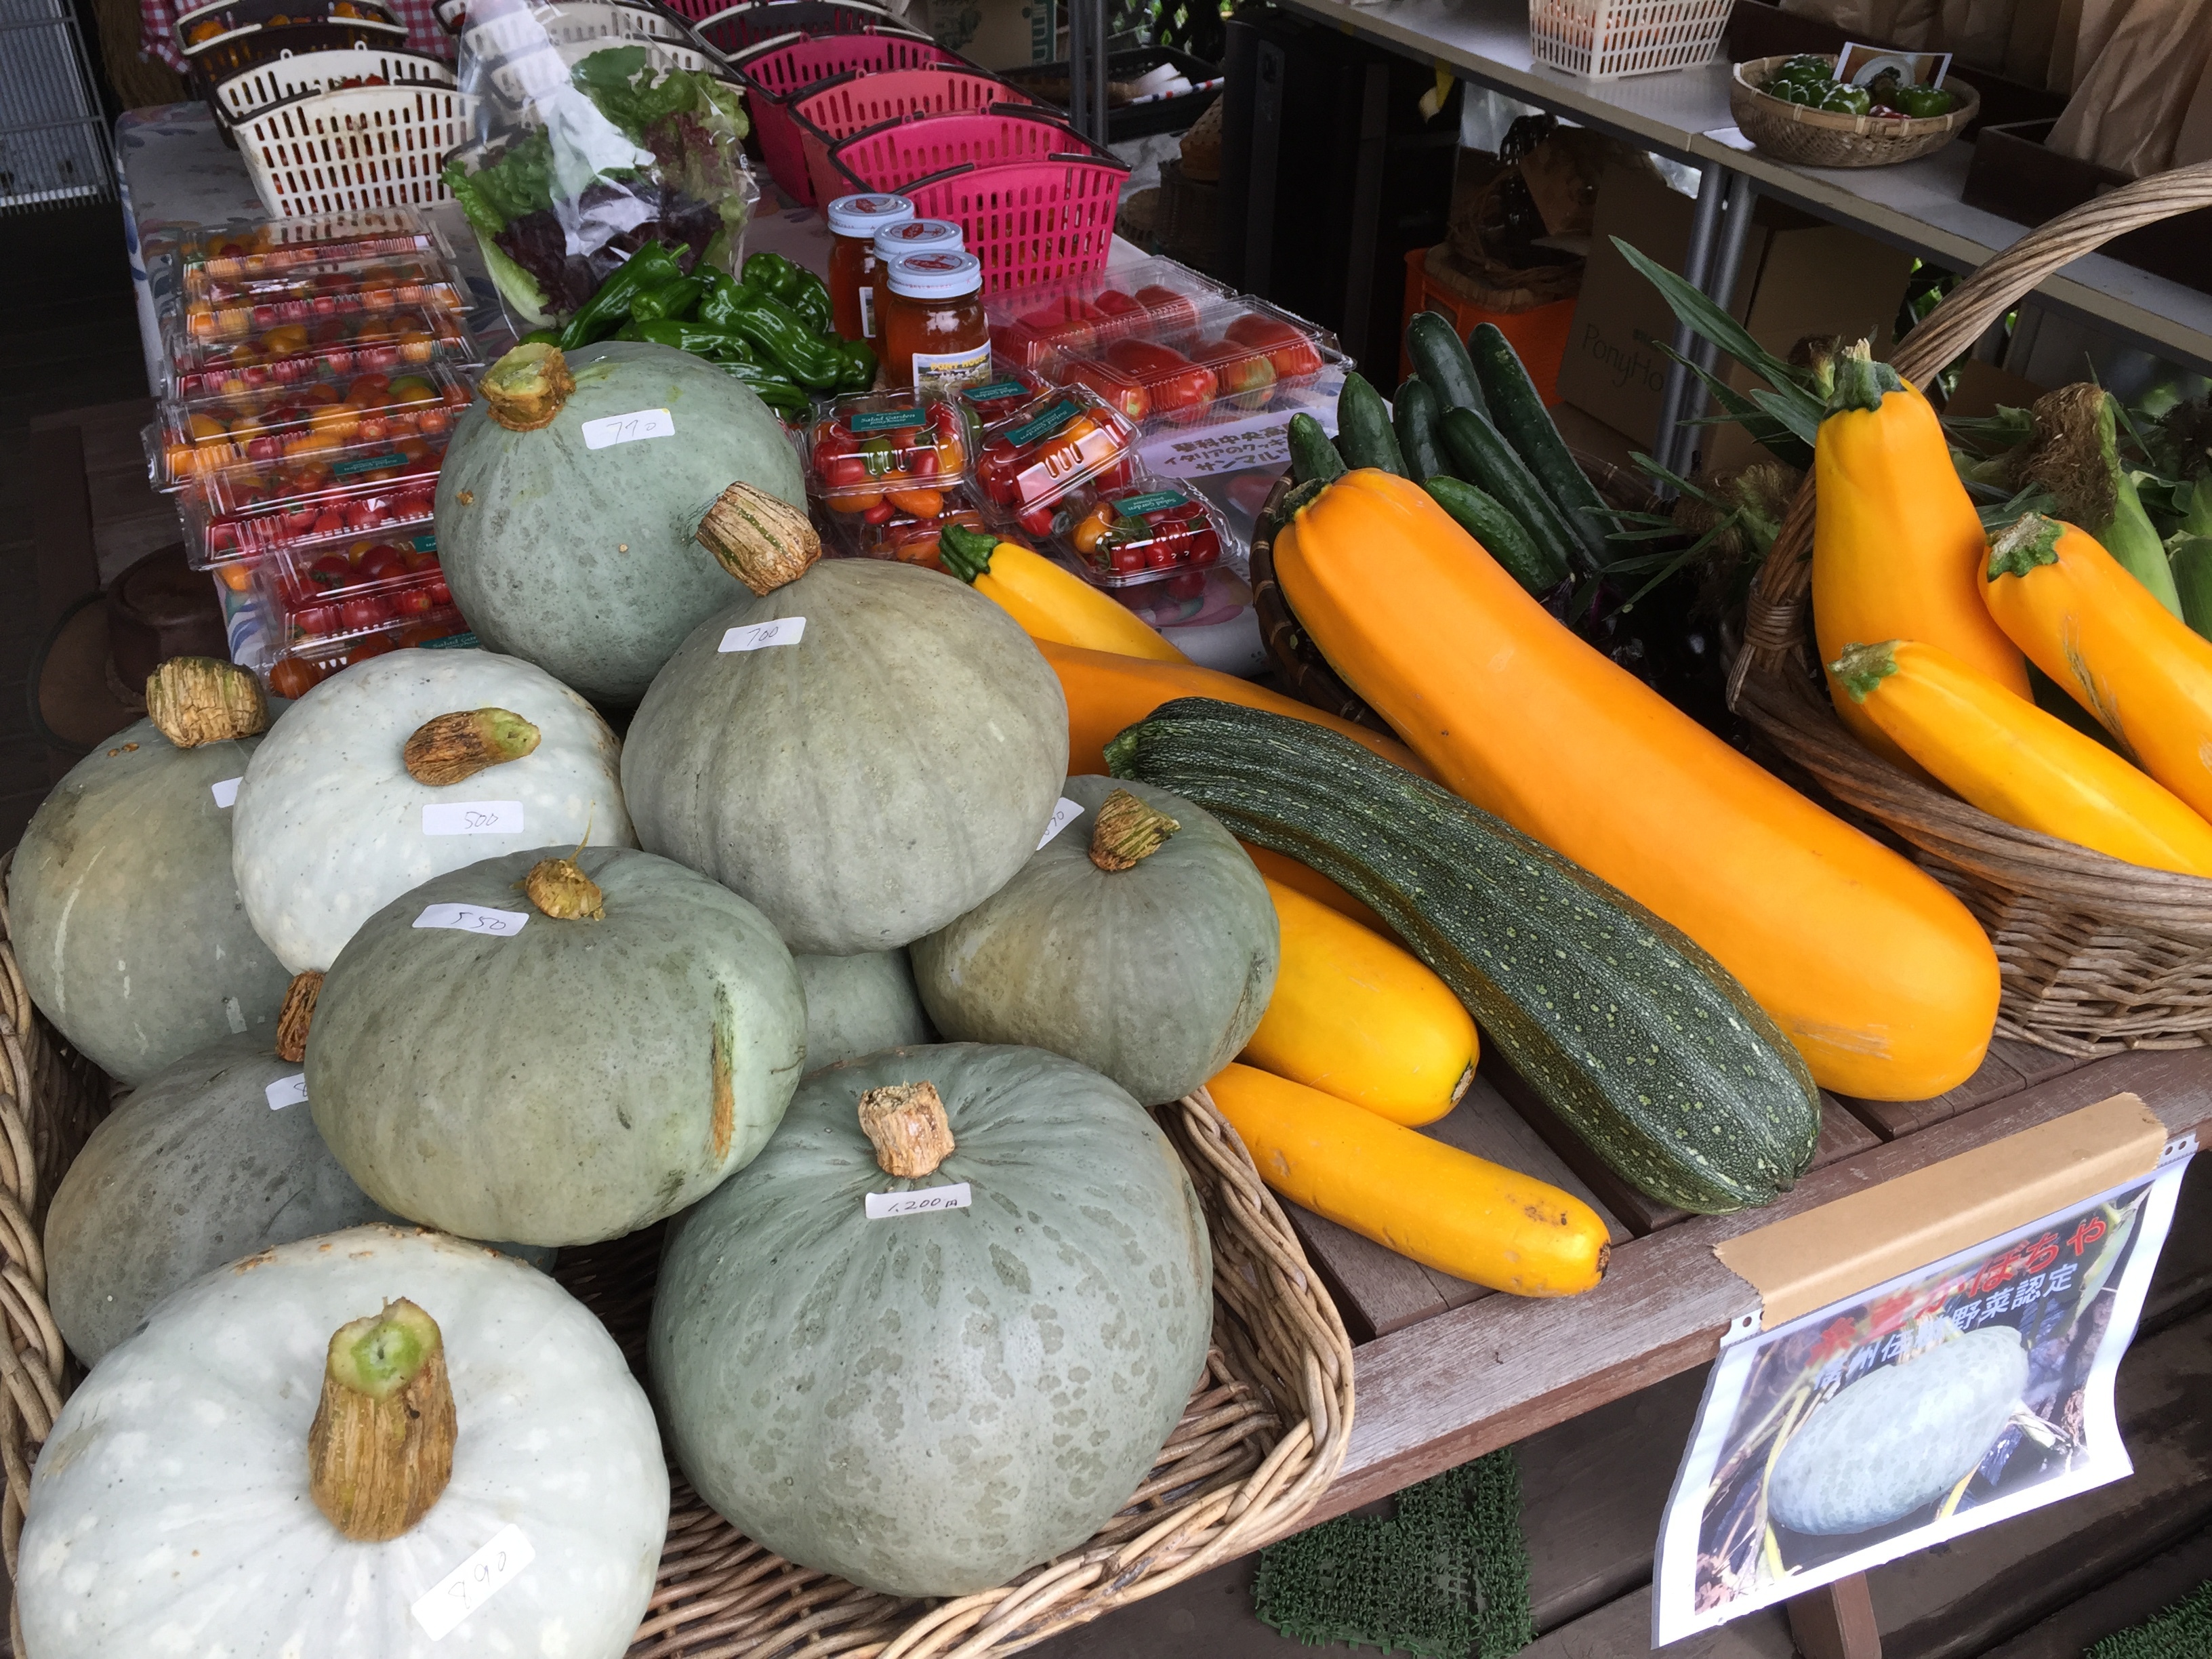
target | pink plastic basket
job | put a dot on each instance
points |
(1028, 221)
(735, 27)
(853, 103)
(777, 71)
(893, 154)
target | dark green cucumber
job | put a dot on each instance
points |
(1623, 1026)
(1481, 456)
(1312, 455)
(1413, 414)
(1438, 357)
(1499, 532)
(1525, 423)
(1363, 434)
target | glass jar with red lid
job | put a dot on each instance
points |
(912, 236)
(854, 222)
(934, 332)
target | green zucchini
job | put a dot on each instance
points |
(2192, 577)
(1312, 455)
(1363, 434)
(1499, 532)
(1433, 345)
(1525, 423)
(1638, 1040)
(1482, 457)
(1414, 415)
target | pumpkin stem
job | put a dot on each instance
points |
(2029, 541)
(294, 1018)
(905, 1123)
(761, 540)
(561, 890)
(453, 748)
(196, 700)
(1128, 832)
(528, 387)
(381, 1449)
(1861, 382)
(1860, 668)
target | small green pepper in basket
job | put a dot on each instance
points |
(1844, 99)
(1923, 103)
(670, 301)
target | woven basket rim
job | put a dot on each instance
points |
(1836, 121)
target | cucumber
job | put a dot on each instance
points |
(1499, 532)
(1646, 1047)
(1526, 424)
(1485, 459)
(1439, 359)
(1414, 415)
(1363, 434)
(1312, 455)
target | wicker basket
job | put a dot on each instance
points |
(1258, 1443)
(2097, 956)
(1831, 138)
(1299, 662)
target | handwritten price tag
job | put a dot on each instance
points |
(226, 793)
(758, 636)
(887, 1206)
(472, 818)
(1063, 815)
(288, 1091)
(474, 1583)
(612, 429)
(472, 919)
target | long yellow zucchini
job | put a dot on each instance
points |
(1048, 601)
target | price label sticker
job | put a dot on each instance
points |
(474, 1583)
(472, 818)
(226, 793)
(288, 1091)
(611, 429)
(1063, 815)
(889, 1207)
(472, 919)
(758, 636)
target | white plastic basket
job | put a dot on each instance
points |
(252, 90)
(1606, 40)
(577, 21)
(519, 84)
(360, 147)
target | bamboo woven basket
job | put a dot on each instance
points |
(1258, 1443)
(1830, 139)
(2097, 956)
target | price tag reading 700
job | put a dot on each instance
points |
(474, 1583)
(472, 919)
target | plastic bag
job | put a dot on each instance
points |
(601, 129)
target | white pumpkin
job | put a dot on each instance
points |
(171, 1510)
(330, 827)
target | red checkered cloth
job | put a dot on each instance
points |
(157, 29)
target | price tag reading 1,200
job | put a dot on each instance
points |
(610, 431)
(887, 1206)
(472, 919)
(474, 1583)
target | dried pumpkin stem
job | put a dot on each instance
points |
(762, 541)
(529, 386)
(453, 748)
(196, 700)
(297, 1013)
(559, 889)
(905, 1123)
(1127, 832)
(381, 1449)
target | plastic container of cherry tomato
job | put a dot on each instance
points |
(404, 339)
(1075, 315)
(909, 538)
(245, 513)
(1236, 361)
(194, 437)
(1146, 531)
(311, 658)
(263, 247)
(214, 310)
(1009, 387)
(877, 455)
(1053, 448)
(319, 599)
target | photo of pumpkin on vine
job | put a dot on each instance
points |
(1937, 1402)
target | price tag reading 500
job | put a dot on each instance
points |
(474, 1583)
(472, 919)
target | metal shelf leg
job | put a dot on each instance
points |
(1697, 265)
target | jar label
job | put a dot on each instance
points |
(1157, 501)
(867, 310)
(472, 919)
(474, 1583)
(887, 420)
(287, 1091)
(884, 1207)
(226, 793)
(611, 429)
(1063, 814)
(951, 370)
(1037, 426)
(758, 636)
(472, 818)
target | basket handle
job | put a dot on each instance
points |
(1775, 614)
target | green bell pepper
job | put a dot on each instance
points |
(603, 313)
(724, 345)
(1923, 102)
(720, 301)
(1846, 99)
(671, 301)
(778, 393)
(811, 302)
(785, 341)
(773, 275)
(859, 366)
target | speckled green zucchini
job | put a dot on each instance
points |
(1639, 1041)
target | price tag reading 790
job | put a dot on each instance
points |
(474, 1583)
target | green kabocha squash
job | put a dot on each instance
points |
(123, 909)
(568, 500)
(1900, 1437)
(297, 1452)
(864, 750)
(1141, 940)
(928, 1403)
(858, 1005)
(555, 1050)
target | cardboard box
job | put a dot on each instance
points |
(1800, 276)
(997, 35)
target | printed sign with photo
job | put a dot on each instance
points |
(1861, 65)
(1944, 1400)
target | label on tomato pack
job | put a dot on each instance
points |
(758, 636)
(611, 429)
(949, 371)
(226, 793)
(1063, 815)
(367, 463)
(426, 544)
(474, 1583)
(472, 919)
(991, 390)
(451, 642)
(472, 818)
(889, 1207)
(1134, 506)
(886, 420)
(287, 1091)
(1038, 426)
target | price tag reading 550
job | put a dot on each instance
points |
(474, 1583)
(472, 919)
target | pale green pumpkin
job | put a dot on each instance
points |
(856, 1005)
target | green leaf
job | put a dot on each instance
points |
(1779, 441)
(1789, 415)
(1710, 323)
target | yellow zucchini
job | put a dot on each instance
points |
(1050, 602)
